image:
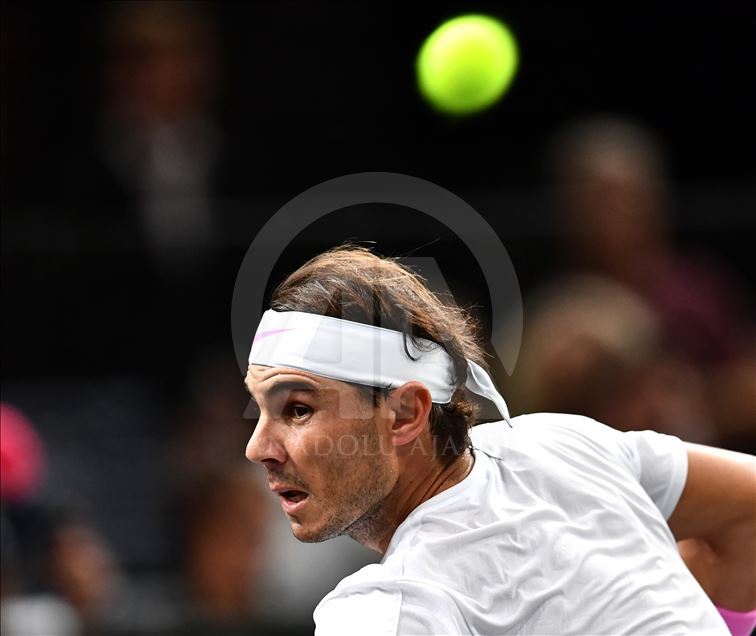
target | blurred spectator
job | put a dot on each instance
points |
(591, 346)
(582, 336)
(63, 571)
(24, 529)
(83, 571)
(158, 134)
(613, 197)
(22, 457)
(58, 575)
(145, 191)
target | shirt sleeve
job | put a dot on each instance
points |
(660, 464)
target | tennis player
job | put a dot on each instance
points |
(539, 524)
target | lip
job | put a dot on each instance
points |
(289, 507)
(292, 507)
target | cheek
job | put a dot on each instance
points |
(313, 457)
(332, 434)
(333, 461)
(313, 447)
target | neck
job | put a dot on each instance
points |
(376, 527)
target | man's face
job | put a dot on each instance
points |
(325, 449)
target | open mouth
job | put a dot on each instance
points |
(292, 501)
(293, 496)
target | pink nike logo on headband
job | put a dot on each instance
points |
(272, 332)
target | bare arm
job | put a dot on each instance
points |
(715, 522)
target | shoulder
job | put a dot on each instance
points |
(376, 605)
(546, 430)
(555, 443)
(574, 438)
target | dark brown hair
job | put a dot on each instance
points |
(352, 283)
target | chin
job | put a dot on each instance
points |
(316, 531)
(307, 534)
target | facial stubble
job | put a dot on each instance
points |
(359, 485)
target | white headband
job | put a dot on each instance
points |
(363, 354)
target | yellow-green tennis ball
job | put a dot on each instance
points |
(467, 64)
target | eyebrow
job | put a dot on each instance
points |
(287, 385)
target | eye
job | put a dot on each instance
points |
(299, 411)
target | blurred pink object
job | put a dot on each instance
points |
(22, 457)
(739, 623)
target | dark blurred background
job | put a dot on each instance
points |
(145, 144)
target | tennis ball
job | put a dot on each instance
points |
(467, 64)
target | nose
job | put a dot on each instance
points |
(263, 447)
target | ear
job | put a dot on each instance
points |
(411, 404)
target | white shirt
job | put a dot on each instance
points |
(560, 528)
